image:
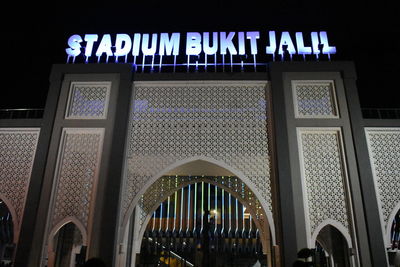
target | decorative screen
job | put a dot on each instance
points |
(88, 100)
(384, 153)
(17, 153)
(314, 99)
(323, 175)
(222, 121)
(77, 171)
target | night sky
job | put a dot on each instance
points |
(35, 36)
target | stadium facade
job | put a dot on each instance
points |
(195, 166)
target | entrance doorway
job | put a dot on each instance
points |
(68, 249)
(394, 238)
(204, 129)
(331, 248)
(185, 178)
(7, 245)
(201, 225)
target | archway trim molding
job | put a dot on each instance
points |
(15, 221)
(388, 226)
(333, 223)
(239, 174)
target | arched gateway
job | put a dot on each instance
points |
(203, 172)
(132, 171)
(188, 132)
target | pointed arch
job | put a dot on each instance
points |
(337, 225)
(259, 224)
(178, 163)
(14, 218)
(62, 223)
(389, 223)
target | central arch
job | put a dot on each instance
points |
(199, 166)
(253, 209)
(215, 162)
(206, 215)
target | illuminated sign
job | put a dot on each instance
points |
(198, 49)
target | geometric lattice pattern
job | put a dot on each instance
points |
(76, 174)
(17, 152)
(174, 121)
(88, 100)
(314, 99)
(384, 154)
(323, 176)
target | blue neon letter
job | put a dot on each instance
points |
(74, 45)
(315, 43)
(123, 44)
(90, 40)
(286, 40)
(253, 36)
(210, 50)
(226, 43)
(145, 44)
(136, 44)
(326, 49)
(242, 49)
(193, 43)
(168, 46)
(271, 49)
(105, 46)
(301, 49)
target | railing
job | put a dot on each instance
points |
(37, 113)
(21, 113)
(381, 113)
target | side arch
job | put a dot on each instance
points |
(15, 221)
(388, 225)
(340, 227)
(239, 174)
(59, 225)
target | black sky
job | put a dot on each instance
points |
(34, 36)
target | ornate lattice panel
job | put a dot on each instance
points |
(384, 153)
(323, 176)
(76, 174)
(225, 122)
(17, 153)
(88, 100)
(314, 99)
